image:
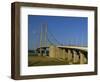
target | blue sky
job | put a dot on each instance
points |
(67, 30)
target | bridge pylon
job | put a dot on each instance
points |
(43, 37)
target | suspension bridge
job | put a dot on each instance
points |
(49, 46)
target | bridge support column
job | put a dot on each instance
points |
(57, 52)
(40, 53)
(83, 59)
(45, 52)
(64, 54)
(52, 51)
(61, 53)
(69, 57)
(75, 57)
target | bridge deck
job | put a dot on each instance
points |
(74, 47)
(70, 47)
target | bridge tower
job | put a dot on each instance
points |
(43, 37)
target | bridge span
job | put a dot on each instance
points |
(72, 54)
(51, 47)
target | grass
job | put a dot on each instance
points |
(44, 61)
(34, 60)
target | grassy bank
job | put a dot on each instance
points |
(44, 61)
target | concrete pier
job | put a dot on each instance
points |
(52, 51)
(83, 59)
(75, 57)
(70, 59)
